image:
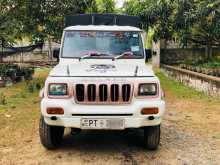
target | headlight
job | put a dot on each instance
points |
(59, 89)
(147, 89)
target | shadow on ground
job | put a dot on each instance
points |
(99, 140)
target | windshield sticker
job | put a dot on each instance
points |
(87, 34)
(118, 34)
(135, 35)
(135, 48)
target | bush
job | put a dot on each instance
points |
(211, 67)
(33, 86)
(2, 99)
(15, 73)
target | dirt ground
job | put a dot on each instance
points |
(190, 135)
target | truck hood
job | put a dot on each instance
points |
(83, 69)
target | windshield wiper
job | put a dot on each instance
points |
(123, 54)
(94, 54)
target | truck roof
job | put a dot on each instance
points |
(102, 28)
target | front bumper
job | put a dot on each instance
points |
(73, 113)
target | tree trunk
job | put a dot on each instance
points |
(208, 52)
(2, 45)
(50, 48)
(21, 54)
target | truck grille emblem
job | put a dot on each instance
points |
(102, 68)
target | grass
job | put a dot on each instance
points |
(20, 114)
(20, 92)
(213, 63)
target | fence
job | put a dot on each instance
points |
(204, 83)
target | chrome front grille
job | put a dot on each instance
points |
(103, 93)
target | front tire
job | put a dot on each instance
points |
(50, 136)
(152, 137)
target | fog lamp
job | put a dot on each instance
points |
(149, 111)
(55, 111)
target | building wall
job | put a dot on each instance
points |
(36, 55)
(179, 55)
(28, 57)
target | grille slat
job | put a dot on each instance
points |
(91, 92)
(114, 92)
(126, 90)
(80, 90)
(103, 93)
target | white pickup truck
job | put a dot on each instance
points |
(101, 82)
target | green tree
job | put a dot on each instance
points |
(50, 16)
(105, 6)
(11, 25)
(187, 21)
(38, 19)
(204, 25)
(154, 14)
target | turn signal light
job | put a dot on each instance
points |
(55, 111)
(149, 111)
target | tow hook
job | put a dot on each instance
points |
(53, 118)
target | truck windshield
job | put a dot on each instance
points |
(78, 44)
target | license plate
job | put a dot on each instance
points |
(88, 123)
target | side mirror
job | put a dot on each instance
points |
(148, 54)
(56, 53)
(154, 53)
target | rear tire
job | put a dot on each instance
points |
(152, 137)
(50, 136)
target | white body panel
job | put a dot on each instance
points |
(102, 28)
(125, 68)
(73, 71)
(135, 121)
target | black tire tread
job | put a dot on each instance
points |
(50, 136)
(152, 137)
